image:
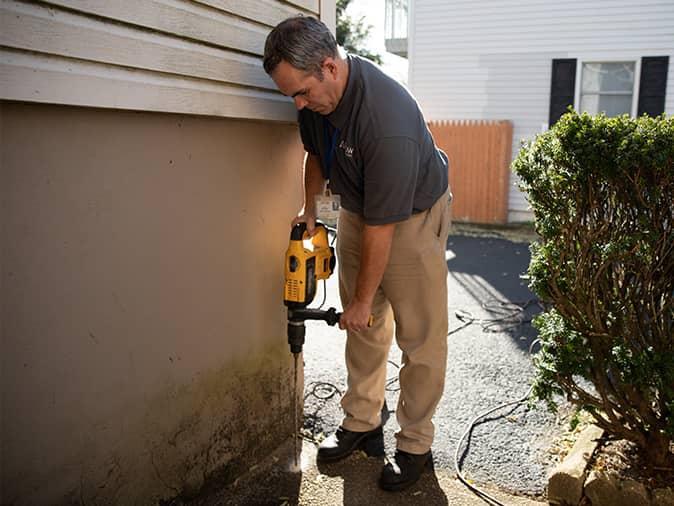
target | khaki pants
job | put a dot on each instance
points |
(413, 291)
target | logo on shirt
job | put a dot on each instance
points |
(348, 150)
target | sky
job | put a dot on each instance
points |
(374, 13)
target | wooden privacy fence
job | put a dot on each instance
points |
(479, 154)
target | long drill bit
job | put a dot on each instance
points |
(295, 421)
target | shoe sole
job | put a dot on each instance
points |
(372, 445)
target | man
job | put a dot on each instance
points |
(365, 135)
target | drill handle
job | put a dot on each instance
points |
(331, 316)
(370, 320)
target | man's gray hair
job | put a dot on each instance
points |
(304, 42)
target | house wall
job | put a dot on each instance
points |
(493, 59)
(194, 57)
(149, 172)
(143, 335)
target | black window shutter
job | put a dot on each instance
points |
(653, 85)
(562, 87)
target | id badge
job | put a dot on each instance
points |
(327, 208)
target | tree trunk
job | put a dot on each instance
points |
(657, 450)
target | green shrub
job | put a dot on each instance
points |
(602, 192)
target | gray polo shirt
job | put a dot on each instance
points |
(384, 165)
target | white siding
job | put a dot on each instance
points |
(492, 59)
(195, 57)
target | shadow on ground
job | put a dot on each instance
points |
(351, 482)
(359, 475)
(490, 271)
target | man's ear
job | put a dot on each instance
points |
(329, 65)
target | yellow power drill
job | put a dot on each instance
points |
(308, 260)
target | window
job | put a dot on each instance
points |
(596, 85)
(608, 87)
(396, 19)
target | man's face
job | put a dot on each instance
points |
(306, 89)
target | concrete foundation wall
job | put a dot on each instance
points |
(143, 332)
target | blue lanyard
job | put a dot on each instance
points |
(330, 144)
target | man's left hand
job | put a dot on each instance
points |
(356, 316)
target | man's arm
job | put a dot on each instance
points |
(314, 184)
(375, 249)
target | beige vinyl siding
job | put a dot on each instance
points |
(492, 59)
(310, 5)
(194, 57)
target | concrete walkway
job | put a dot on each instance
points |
(350, 482)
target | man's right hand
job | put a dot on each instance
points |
(310, 220)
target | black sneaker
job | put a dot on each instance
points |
(404, 470)
(344, 442)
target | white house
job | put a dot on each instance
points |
(526, 60)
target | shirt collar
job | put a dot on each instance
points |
(339, 117)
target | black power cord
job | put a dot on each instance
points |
(459, 473)
(323, 391)
(510, 315)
